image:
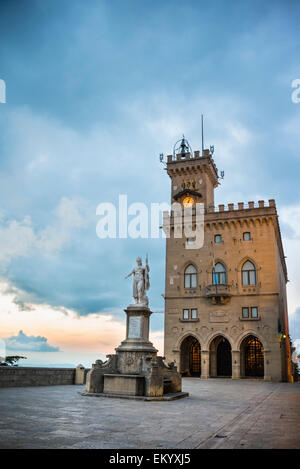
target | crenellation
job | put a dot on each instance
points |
(240, 206)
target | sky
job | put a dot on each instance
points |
(95, 91)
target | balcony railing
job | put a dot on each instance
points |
(219, 293)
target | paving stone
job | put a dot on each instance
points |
(219, 413)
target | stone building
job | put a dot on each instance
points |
(225, 303)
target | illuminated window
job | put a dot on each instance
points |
(219, 274)
(190, 277)
(248, 274)
(195, 358)
(254, 357)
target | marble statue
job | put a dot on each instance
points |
(141, 281)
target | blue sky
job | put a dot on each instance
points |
(95, 91)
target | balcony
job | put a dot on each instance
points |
(218, 293)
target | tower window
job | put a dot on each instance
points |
(219, 274)
(247, 236)
(246, 312)
(218, 238)
(248, 274)
(190, 314)
(185, 314)
(190, 241)
(190, 277)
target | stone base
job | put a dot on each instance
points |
(135, 369)
(166, 397)
(152, 379)
(131, 385)
(130, 361)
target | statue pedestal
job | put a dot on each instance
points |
(137, 330)
(135, 370)
(136, 346)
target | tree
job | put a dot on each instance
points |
(12, 360)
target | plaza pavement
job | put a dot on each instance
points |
(219, 413)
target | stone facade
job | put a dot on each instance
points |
(206, 315)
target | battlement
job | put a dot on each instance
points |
(188, 156)
(235, 211)
(241, 206)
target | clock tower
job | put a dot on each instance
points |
(225, 297)
(193, 176)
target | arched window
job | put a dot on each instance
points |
(190, 277)
(219, 274)
(248, 274)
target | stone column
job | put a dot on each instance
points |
(79, 374)
(204, 364)
(236, 364)
(213, 363)
(267, 371)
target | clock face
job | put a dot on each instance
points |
(188, 201)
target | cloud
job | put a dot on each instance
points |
(23, 343)
(294, 327)
(70, 215)
(291, 132)
(96, 334)
(290, 220)
(74, 135)
(295, 324)
(16, 239)
(19, 239)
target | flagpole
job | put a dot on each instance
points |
(202, 133)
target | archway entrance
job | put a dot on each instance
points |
(220, 358)
(252, 357)
(190, 357)
(224, 367)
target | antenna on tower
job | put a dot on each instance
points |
(202, 133)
